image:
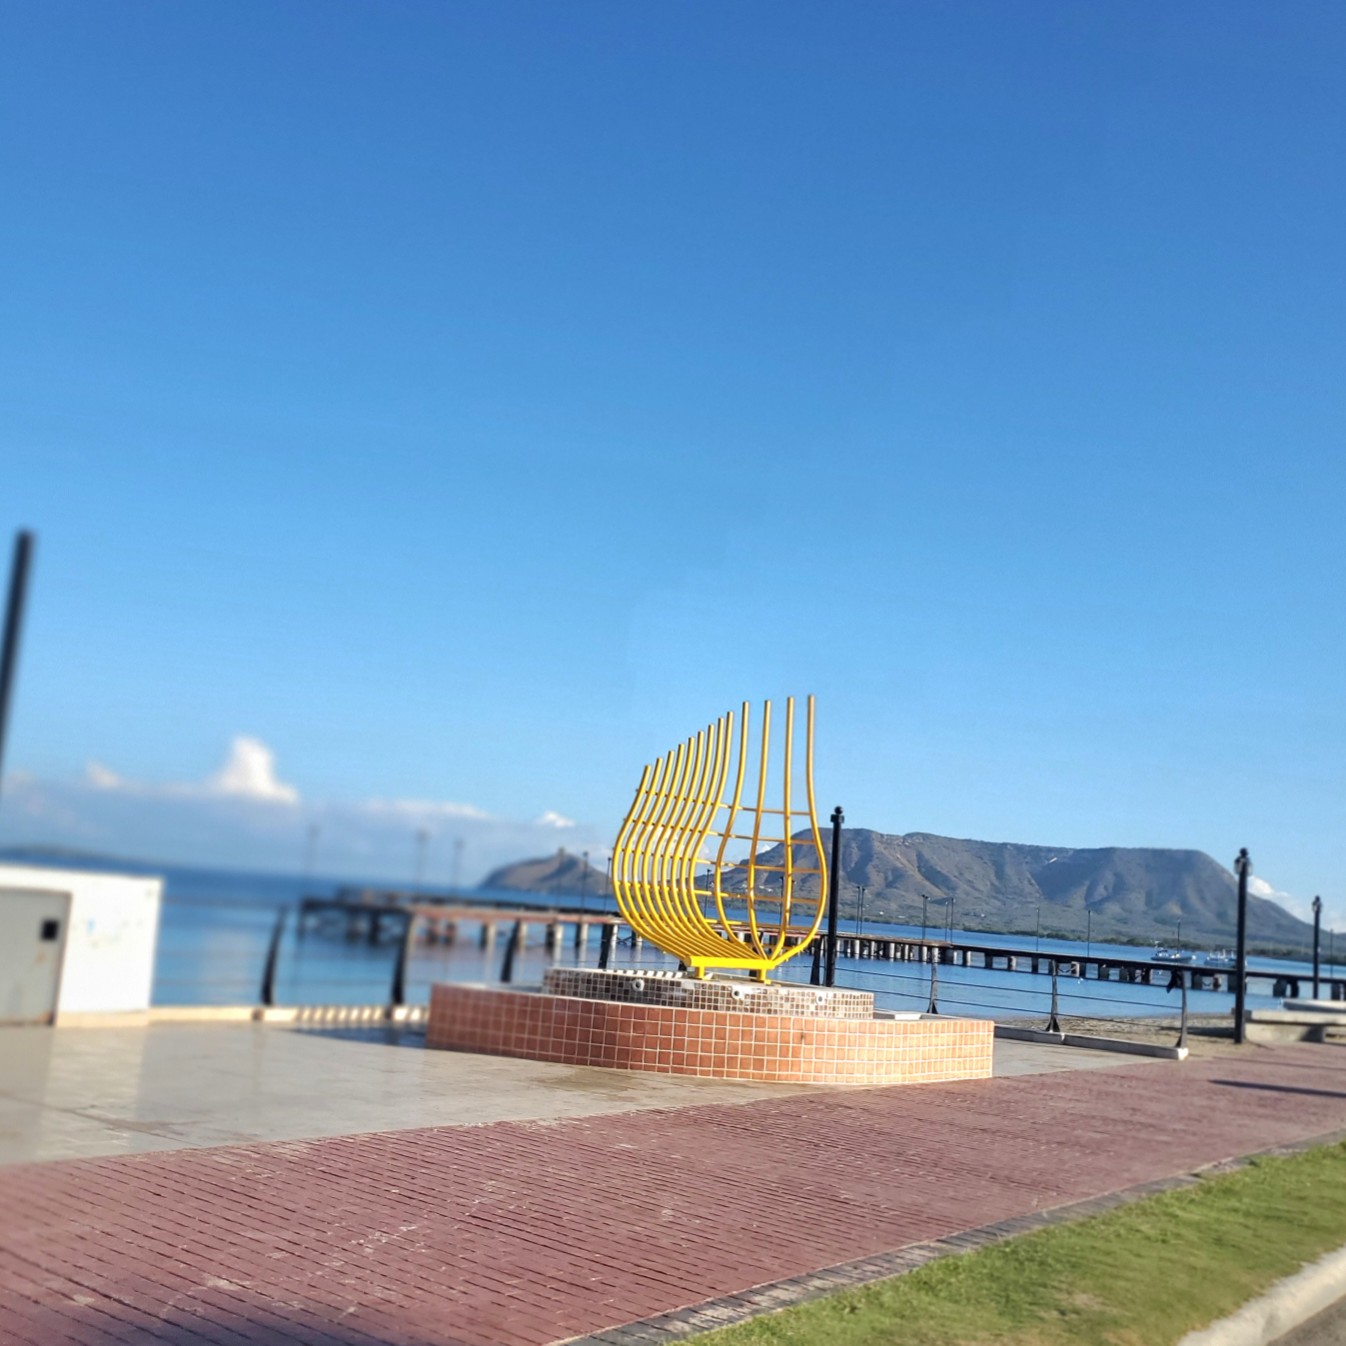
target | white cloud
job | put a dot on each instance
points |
(423, 810)
(103, 778)
(553, 819)
(247, 813)
(249, 772)
(1333, 913)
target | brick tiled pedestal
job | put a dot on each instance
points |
(719, 1044)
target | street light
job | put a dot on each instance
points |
(925, 912)
(860, 920)
(584, 878)
(311, 849)
(1037, 939)
(1088, 933)
(1317, 930)
(422, 839)
(1242, 867)
(9, 651)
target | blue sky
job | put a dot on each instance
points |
(460, 402)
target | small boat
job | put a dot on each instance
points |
(1166, 955)
(1221, 958)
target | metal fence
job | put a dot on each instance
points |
(230, 953)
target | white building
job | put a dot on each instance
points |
(75, 942)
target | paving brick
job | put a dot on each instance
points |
(522, 1233)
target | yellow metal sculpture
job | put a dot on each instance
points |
(671, 859)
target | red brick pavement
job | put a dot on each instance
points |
(521, 1233)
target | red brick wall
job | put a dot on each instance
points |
(724, 1045)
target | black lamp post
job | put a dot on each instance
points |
(9, 650)
(1317, 932)
(422, 839)
(311, 849)
(1242, 867)
(830, 975)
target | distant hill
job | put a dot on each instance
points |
(1130, 894)
(561, 874)
(45, 854)
(1120, 894)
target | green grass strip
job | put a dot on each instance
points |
(1141, 1275)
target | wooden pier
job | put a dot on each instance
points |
(1134, 971)
(446, 920)
(378, 916)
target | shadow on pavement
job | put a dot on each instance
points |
(1281, 1088)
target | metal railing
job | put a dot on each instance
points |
(265, 956)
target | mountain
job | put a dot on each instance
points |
(559, 875)
(1118, 894)
(1129, 894)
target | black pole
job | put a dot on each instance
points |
(272, 957)
(1054, 1014)
(9, 655)
(1317, 933)
(511, 949)
(833, 891)
(816, 971)
(1242, 867)
(398, 995)
(606, 942)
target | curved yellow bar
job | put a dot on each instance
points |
(674, 880)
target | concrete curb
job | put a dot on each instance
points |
(1016, 1034)
(304, 1015)
(1092, 1043)
(1287, 1305)
(1122, 1045)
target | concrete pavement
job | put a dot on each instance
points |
(78, 1092)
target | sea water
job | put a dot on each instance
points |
(216, 927)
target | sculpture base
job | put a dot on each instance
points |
(717, 1044)
(734, 994)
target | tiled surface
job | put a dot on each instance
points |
(79, 1092)
(708, 1043)
(68, 1092)
(725, 994)
(524, 1233)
